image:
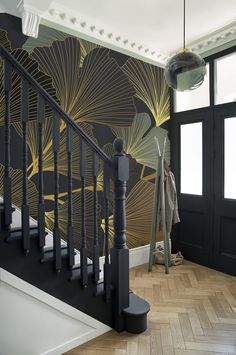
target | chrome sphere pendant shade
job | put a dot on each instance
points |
(185, 70)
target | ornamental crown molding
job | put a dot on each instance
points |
(215, 39)
(104, 36)
(60, 17)
(31, 15)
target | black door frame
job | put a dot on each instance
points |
(224, 208)
(206, 202)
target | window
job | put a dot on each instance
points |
(191, 158)
(230, 158)
(225, 79)
(189, 100)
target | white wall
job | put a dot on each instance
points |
(35, 323)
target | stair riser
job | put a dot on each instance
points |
(45, 278)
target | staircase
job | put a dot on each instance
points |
(61, 270)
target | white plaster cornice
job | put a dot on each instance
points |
(87, 25)
(215, 39)
(84, 28)
(212, 40)
(31, 12)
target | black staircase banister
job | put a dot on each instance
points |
(126, 310)
(54, 105)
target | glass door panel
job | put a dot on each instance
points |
(230, 158)
(189, 100)
(191, 158)
(225, 79)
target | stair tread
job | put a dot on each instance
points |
(78, 266)
(100, 288)
(49, 255)
(76, 271)
(16, 233)
(2, 207)
(137, 306)
(50, 249)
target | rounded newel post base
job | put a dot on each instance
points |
(135, 316)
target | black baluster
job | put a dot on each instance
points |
(7, 198)
(83, 249)
(107, 266)
(25, 202)
(70, 232)
(119, 251)
(56, 229)
(41, 206)
(95, 226)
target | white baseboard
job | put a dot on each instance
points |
(137, 256)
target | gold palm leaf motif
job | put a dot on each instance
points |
(139, 140)
(48, 158)
(49, 35)
(139, 215)
(89, 218)
(45, 38)
(76, 155)
(45, 81)
(4, 41)
(98, 92)
(16, 176)
(150, 87)
(108, 149)
(86, 47)
(33, 143)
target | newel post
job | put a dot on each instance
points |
(119, 251)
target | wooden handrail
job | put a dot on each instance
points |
(40, 90)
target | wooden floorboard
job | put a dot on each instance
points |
(193, 312)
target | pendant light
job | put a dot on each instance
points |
(185, 70)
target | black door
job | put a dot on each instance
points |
(224, 213)
(203, 159)
(207, 231)
(193, 235)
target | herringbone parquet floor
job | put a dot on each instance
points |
(193, 312)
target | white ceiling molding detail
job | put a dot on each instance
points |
(89, 27)
(103, 36)
(31, 12)
(150, 31)
(215, 39)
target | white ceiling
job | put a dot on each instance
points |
(150, 29)
(156, 24)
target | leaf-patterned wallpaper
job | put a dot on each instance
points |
(109, 95)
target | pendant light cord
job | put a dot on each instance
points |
(184, 26)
